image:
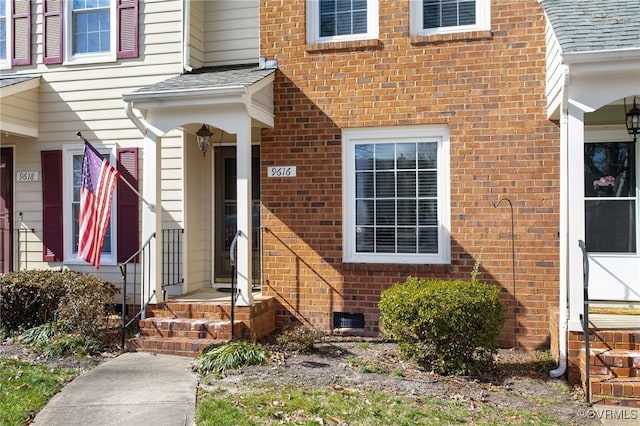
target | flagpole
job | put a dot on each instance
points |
(152, 207)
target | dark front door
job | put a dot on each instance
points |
(225, 211)
(6, 210)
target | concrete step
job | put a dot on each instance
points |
(181, 346)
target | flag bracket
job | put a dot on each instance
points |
(151, 206)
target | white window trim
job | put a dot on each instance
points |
(483, 20)
(313, 24)
(88, 58)
(71, 258)
(399, 134)
(6, 63)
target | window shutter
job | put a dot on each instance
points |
(52, 32)
(127, 28)
(21, 15)
(127, 209)
(52, 236)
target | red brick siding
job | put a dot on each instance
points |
(487, 87)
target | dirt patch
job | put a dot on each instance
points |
(521, 381)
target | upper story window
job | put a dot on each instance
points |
(396, 195)
(4, 34)
(447, 16)
(341, 20)
(89, 31)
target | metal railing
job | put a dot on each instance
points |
(139, 260)
(585, 317)
(172, 245)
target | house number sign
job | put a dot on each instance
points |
(27, 177)
(281, 171)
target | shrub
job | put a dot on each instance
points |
(298, 339)
(229, 356)
(451, 325)
(55, 302)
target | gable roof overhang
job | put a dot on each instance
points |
(593, 53)
(19, 105)
(210, 95)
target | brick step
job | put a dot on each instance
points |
(187, 327)
(611, 363)
(623, 391)
(203, 310)
(181, 346)
(615, 339)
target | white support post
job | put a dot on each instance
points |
(151, 215)
(244, 243)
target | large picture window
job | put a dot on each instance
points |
(446, 16)
(610, 197)
(397, 195)
(341, 20)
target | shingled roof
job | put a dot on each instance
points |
(594, 25)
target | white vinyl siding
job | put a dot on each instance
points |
(448, 16)
(396, 195)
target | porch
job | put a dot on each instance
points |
(185, 325)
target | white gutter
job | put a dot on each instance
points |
(128, 109)
(186, 35)
(564, 227)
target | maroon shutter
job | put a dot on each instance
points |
(21, 15)
(127, 28)
(128, 209)
(52, 32)
(52, 206)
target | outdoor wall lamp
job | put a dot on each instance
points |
(204, 137)
(632, 118)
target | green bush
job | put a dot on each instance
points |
(223, 357)
(71, 302)
(453, 326)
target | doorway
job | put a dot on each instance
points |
(225, 202)
(6, 210)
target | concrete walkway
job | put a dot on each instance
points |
(131, 389)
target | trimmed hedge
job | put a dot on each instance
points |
(450, 325)
(74, 301)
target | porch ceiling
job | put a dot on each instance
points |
(19, 105)
(207, 90)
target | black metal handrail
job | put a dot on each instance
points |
(585, 317)
(144, 256)
(172, 244)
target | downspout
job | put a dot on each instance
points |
(186, 35)
(564, 215)
(128, 109)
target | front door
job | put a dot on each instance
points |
(6, 210)
(225, 211)
(611, 220)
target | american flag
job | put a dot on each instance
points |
(99, 180)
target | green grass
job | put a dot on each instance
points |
(271, 405)
(26, 388)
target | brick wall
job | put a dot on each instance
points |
(488, 87)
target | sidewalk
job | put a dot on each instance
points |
(131, 389)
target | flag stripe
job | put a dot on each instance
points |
(99, 180)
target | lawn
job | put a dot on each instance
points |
(25, 388)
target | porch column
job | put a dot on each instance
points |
(575, 210)
(152, 215)
(244, 243)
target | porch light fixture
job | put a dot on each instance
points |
(632, 119)
(204, 137)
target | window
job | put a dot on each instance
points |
(447, 16)
(4, 33)
(396, 195)
(341, 20)
(72, 183)
(89, 31)
(610, 197)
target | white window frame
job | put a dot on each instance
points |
(69, 151)
(313, 24)
(89, 58)
(483, 20)
(399, 134)
(6, 62)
